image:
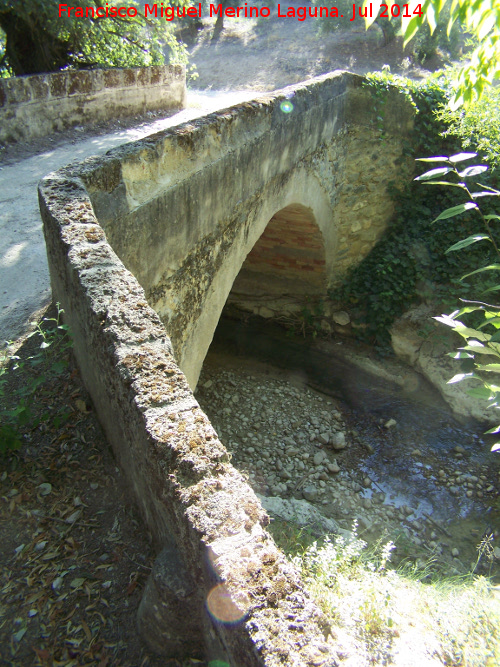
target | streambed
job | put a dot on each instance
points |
(303, 423)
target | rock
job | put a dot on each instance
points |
(333, 467)
(367, 503)
(338, 440)
(341, 317)
(364, 522)
(266, 312)
(390, 423)
(323, 438)
(310, 493)
(299, 512)
(207, 384)
(416, 452)
(319, 458)
(459, 449)
(367, 482)
(430, 358)
(454, 490)
(496, 552)
(455, 552)
(45, 489)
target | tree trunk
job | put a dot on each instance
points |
(219, 23)
(29, 48)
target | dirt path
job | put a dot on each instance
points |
(24, 274)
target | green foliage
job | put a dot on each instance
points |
(408, 264)
(16, 406)
(426, 42)
(334, 23)
(480, 18)
(477, 126)
(480, 357)
(37, 40)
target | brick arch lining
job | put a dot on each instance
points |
(290, 250)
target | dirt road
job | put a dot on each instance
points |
(24, 274)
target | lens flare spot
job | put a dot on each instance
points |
(286, 106)
(222, 607)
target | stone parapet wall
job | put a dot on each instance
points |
(34, 106)
(193, 501)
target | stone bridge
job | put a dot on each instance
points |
(294, 199)
(144, 246)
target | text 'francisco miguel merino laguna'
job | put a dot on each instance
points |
(172, 12)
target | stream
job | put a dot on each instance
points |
(411, 471)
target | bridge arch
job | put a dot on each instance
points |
(289, 256)
(301, 212)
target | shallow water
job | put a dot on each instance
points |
(403, 461)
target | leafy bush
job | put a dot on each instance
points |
(35, 38)
(334, 23)
(477, 127)
(481, 355)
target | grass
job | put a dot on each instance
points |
(405, 616)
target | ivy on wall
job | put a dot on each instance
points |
(409, 264)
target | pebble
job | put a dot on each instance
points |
(455, 552)
(310, 493)
(338, 440)
(319, 458)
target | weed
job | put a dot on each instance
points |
(380, 615)
(24, 377)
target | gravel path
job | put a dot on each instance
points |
(24, 274)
